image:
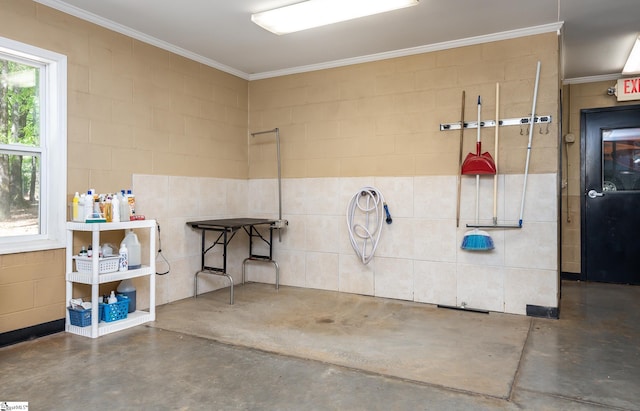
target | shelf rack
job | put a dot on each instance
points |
(94, 279)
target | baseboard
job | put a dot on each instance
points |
(543, 312)
(571, 276)
(30, 333)
(473, 310)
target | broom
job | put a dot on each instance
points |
(477, 240)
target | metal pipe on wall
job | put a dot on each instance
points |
(280, 223)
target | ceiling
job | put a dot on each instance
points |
(597, 34)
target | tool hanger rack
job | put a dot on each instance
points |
(522, 121)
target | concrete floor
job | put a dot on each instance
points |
(299, 349)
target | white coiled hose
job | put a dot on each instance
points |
(364, 231)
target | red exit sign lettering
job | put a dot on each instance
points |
(628, 89)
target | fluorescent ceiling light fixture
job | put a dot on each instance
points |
(315, 13)
(633, 62)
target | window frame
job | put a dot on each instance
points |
(53, 148)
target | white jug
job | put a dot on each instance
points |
(133, 246)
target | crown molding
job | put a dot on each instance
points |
(592, 79)
(470, 41)
(127, 31)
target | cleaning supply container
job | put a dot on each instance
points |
(123, 264)
(125, 212)
(75, 210)
(133, 247)
(127, 289)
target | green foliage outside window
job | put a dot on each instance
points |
(19, 134)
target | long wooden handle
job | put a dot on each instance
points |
(460, 161)
(495, 156)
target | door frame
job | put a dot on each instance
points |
(583, 174)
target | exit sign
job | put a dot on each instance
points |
(628, 89)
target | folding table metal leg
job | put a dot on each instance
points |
(253, 232)
(213, 270)
(275, 264)
(206, 271)
(202, 253)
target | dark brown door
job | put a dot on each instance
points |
(611, 194)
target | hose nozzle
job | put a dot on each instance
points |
(389, 220)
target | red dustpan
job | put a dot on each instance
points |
(478, 163)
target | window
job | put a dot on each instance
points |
(33, 148)
(621, 159)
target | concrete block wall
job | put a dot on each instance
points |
(31, 288)
(382, 118)
(138, 110)
(132, 108)
(379, 122)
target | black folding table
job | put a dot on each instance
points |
(227, 229)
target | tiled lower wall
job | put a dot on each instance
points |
(418, 257)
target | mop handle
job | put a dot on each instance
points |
(478, 153)
(477, 198)
(531, 125)
(479, 123)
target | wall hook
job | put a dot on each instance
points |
(517, 121)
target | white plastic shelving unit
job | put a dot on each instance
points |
(94, 279)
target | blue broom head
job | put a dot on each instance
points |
(477, 240)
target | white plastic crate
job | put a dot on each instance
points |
(105, 264)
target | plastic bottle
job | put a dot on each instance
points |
(107, 250)
(112, 298)
(127, 289)
(124, 258)
(81, 208)
(124, 207)
(115, 209)
(108, 210)
(131, 198)
(88, 205)
(133, 247)
(96, 201)
(75, 212)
